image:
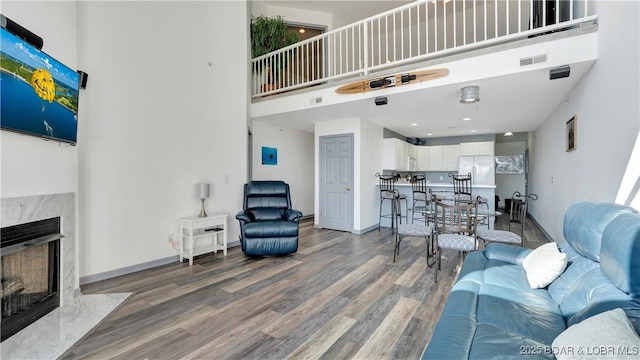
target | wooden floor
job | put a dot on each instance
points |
(339, 297)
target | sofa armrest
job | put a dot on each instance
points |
(292, 215)
(506, 253)
(245, 216)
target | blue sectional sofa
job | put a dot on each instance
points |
(493, 313)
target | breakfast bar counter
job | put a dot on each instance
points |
(404, 187)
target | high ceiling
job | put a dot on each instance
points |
(517, 101)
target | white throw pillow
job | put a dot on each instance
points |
(608, 335)
(543, 265)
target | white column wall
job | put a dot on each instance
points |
(31, 165)
(165, 108)
(606, 104)
(367, 160)
(295, 161)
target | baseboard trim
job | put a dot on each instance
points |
(127, 270)
(135, 268)
(541, 228)
(365, 230)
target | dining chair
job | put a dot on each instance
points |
(462, 187)
(517, 216)
(455, 228)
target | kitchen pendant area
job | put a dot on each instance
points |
(438, 160)
(441, 158)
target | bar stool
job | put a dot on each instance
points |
(425, 231)
(420, 197)
(389, 192)
(462, 193)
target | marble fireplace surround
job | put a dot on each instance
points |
(56, 332)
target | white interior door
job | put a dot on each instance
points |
(336, 182)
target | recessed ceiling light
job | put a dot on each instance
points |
(508, 133)
(302, 31)
(466, 119)
(429, 134)
(473, 131)
(414, 124)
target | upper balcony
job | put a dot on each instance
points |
(422, 34)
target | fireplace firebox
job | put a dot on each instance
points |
(29, 272)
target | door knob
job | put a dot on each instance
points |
(348, 188)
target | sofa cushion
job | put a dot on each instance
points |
(470, 326)
(615, 338)
(271, 229)
(584, 223)
(543, 265)
(620, 252)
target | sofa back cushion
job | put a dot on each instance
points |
(584, 223)
(620, 253)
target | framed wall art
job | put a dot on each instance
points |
(510, 165)
(269, 156)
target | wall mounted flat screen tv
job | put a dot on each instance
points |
(39, 95)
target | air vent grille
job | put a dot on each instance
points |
(531, 60)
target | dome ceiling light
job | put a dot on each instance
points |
(470, 94)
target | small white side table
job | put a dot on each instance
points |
(207, 231)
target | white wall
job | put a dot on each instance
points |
(371, 155)
(506, 185)
(606, 104)
(165, 108)
(295, 161)
(31, 165)
(367, 160)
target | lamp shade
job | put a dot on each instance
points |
(202, 190)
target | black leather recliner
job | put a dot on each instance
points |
(268, 225)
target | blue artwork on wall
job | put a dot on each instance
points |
(269, 156)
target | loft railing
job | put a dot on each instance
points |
(411, 33)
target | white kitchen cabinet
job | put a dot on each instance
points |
(450, 155)
(435, 158)
(443, 158)
(396, 154)
(422, 155)
(477, 148)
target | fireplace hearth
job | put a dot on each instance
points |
(29, 272)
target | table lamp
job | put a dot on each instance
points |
(202, 190)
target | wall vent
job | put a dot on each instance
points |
(531, 60)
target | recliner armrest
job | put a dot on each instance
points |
(292, 215)
(506, 253)
(245, 216)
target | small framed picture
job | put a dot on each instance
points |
(269, 156)
(571, 136)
